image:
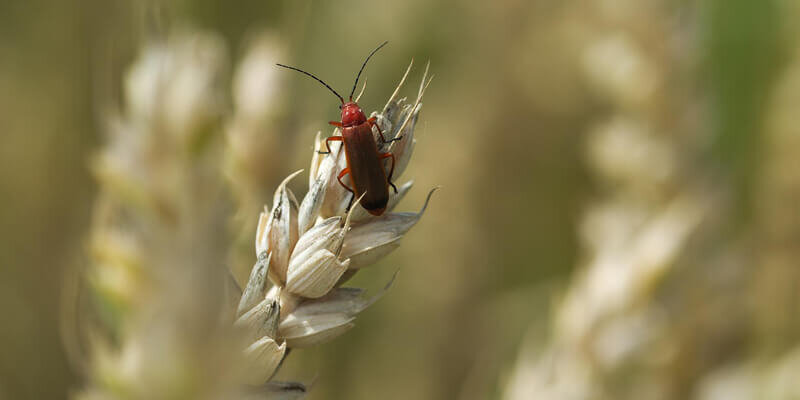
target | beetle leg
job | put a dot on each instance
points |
(353, 193)
(391, 170)
(372, 122)
(341, 175)
(336, 124)
(328, 145)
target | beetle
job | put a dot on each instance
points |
(365, 163)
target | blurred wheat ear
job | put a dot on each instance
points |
(636, 232)
(672, 302)
(157, 240)
(255, 148)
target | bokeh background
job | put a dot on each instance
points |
(618, 214)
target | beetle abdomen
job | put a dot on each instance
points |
(366, 168)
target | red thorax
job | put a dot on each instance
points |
(352, 115)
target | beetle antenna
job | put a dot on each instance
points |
(317, 79)
(362, 68)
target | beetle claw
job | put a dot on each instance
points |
(394, 139)
(350, 203)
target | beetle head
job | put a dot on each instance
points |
(352, 114)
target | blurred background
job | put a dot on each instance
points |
(618, 215)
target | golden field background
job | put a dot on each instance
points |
(542, 117)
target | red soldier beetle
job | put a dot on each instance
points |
(364, 160)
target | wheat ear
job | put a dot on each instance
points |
(306, 250)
